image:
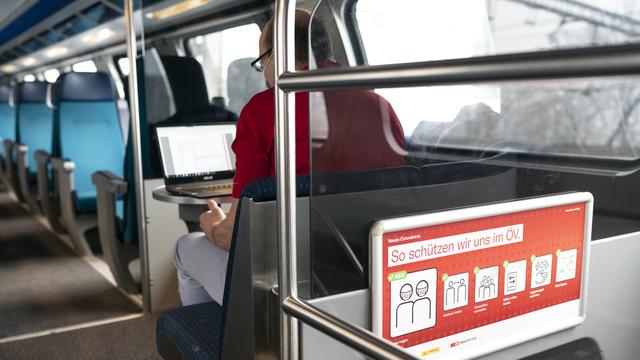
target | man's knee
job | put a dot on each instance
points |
(183, 244)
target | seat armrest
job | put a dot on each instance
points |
(9, 168)
(8, 149)
(41, 156)
(23, 177)
(63, 166)
(108, 187)
(21, 149)
(63, 170)
(108, 181)
(47, 196)
(42, 160)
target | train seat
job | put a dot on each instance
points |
(35, 125)
(197, 331)
(87, 138)
(246, 83)
(117, 227)
(188, 87)
(8, 131)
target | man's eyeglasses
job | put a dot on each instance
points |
(259, 63)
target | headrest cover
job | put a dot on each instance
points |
(5, 92)
(85, 87)
(32, 92)
(52, 96)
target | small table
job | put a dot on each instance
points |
(190, 208)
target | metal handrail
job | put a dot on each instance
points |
(134, 108)
(351, 335)
(285, 170)
(293, 306)
(556, 64)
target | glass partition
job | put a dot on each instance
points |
(383, 153)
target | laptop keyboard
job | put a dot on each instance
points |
(205, 188)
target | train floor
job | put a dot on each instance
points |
(56, 305)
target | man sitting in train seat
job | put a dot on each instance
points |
(360, 125)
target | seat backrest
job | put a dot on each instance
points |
(8, 129)
(35, 119)
(188, 86)
(242, 83)
(87, 130)
(258, 191)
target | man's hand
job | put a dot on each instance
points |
(210, 219)
(218, 226)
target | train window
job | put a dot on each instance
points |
(591, 118)
(85, 66)
(582, 118)
(29, 78)
(51, 75)
(217, 51)
(123, 65)
(382, 24)
(488, 27)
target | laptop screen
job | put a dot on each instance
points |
(197, 152)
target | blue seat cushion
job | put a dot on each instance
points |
(32, 177)
(196, 330)
(90, 136)
(120, 214)
(85, 201)
(36, 130)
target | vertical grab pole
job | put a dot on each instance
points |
(137, 154)
(285, 134)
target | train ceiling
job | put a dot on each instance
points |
(36, 33)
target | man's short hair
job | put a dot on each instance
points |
(320, 41)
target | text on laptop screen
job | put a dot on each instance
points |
(196, 150)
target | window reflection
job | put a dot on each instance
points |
(222, 59)
(595, 118)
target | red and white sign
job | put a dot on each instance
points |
(466, 282)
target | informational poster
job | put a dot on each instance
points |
(466, 282)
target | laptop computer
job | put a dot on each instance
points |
(197, 160)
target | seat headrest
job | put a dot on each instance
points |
(188, 86)
(243, 82)
(85, 87)
(32, 92)
(52, 95)
(5, 93)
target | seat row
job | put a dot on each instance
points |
(67, 154)
(56, 136)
